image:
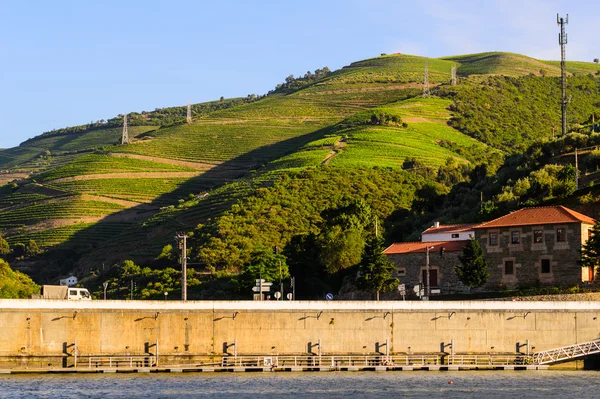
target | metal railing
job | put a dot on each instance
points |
(329, 361)
(121, 361)
(489, 360)
(340, 361)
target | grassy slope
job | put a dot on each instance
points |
(291, 131)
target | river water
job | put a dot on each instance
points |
(330, 385)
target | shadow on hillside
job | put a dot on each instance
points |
(93, 249)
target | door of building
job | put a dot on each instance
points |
(433, 277)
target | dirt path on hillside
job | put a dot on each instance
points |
(338, 148)
(132, 175)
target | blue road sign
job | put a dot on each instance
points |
(329, 297)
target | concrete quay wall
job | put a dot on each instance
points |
(33, 331)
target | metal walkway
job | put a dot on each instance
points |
(567, 352)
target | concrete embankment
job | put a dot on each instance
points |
(51, 334)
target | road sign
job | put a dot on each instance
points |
(402, 289)
(277, 295)
(264, 283)
(329, 297)
(264, 289)
(417, 289)
(289, 296)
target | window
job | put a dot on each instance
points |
(515, 237)
(561, 235)
(545, 266)
(401, 272)
(454, 235)
(538, 236)
(509, 267)
(493, 238)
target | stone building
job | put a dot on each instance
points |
(411, 260)
(528, 246)
(534, 245)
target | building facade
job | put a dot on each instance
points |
(448, 232)
(529, 246)
(535, 245)
(411, 260)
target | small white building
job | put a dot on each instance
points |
(448, 232)
(69, 281)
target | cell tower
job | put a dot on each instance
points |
(453, 75)
(189, 113)
(562, 40)
(426, 82)
(125, 136)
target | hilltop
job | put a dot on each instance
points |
(256, 172)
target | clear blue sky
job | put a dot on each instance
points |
(64, 63)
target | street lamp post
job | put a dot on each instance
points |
(105, 285)
(427, 283)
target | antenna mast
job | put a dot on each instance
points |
(426, 82)
(189, 113)
(125, 136)
(562, 40)
(453, 75)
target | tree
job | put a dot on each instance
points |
(596, 60)
(32, 249)
(376, 270)
(14, 284)
(4, 247)
(473, 269)
(340, 248)
(265, 264)
(591, 249)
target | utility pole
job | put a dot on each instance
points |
(453, 75)
(125, 136)
(576, 171)
(428, 286)
(562, 40)
(182, 241)
(189, 113)
(426, 81)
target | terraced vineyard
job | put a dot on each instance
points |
(84, 190)
(67, 208)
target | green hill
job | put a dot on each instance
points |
(260, 170)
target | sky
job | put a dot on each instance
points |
(65, 63)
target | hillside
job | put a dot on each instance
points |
(252, 172)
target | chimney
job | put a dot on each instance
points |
(436, 225)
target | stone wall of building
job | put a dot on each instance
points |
(546, 262)
(411, 265)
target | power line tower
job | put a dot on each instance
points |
(453, 75)
(125, 136)
(562, 40)
(189, 113)
(426, 81)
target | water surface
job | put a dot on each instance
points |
(407, 384)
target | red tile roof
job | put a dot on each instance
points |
(449, 228)
(537, 216)
(411, 247)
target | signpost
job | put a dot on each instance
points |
(329, 297)
(262, 286)
(402, 290)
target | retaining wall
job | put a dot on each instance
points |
(43, 333)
